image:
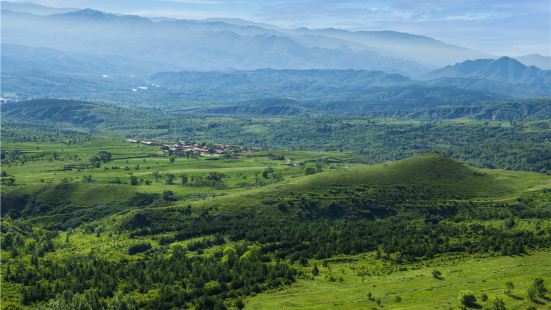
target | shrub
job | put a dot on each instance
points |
(139, 248)
(498, 304)
(437, 274)
(539, 287)
(484, 297)
(467, 298)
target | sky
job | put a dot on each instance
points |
(499, 27)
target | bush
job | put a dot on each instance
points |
(467, 298)
(142, 199)
(484, 297)
(437, 274)
(309, 170)
(539, 287)
(139, 248)
(168, 196)
(498, 304)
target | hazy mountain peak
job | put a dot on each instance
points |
(537, 60)
(95, 15)
(505, 69)
(33, 8)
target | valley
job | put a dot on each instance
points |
(139, 205)
(213, 155)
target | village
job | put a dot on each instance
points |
(187, 147)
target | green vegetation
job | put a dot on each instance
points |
(508, 144)
(89, 219)
(412, 286)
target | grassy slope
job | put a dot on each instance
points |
(445, 178)
(417, 287)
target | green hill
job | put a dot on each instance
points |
(430, 177)
(80, 113)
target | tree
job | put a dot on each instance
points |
(183, 179)
(315, 271)
(239, 304)
(122, 301)
(215, 176)
(266, 173)
(9, 181)
(467, 299)
(498, 304)
(309, 170)
(539, 287)
(170, 179)
(509, 223)
(532, 294)
(102, 156)
(168, 196)
(138, 248)
(133, 180)
(99, 230)
(509, 287)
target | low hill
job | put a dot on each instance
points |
(260, 107)
(418, 180)
(80, 113)
(437, 173)
(538, 109)
(343, 90)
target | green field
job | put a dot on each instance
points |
(375, 231)
(342, 285)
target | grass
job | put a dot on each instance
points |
(442, 177)
(417, 287)
(42, 174)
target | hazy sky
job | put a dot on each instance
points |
(500, 27)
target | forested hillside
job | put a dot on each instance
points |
(260, 155)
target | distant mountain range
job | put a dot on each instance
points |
(16, 58)
(504, 69)
(33, 8)
(93, 114)
(243, 67)
(224, 44)
(536, 60)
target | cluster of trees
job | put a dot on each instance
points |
(100, 157)
(516, 145)
(212, 178)
(394, 238)
(18, 157)
(386, 221)
(7, 180)
(537, 289)
(18, 131)
(164, 281)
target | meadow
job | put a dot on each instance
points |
(343, 285)
(247, 229)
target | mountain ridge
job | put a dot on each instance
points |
(503, 69)
(218, 44)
